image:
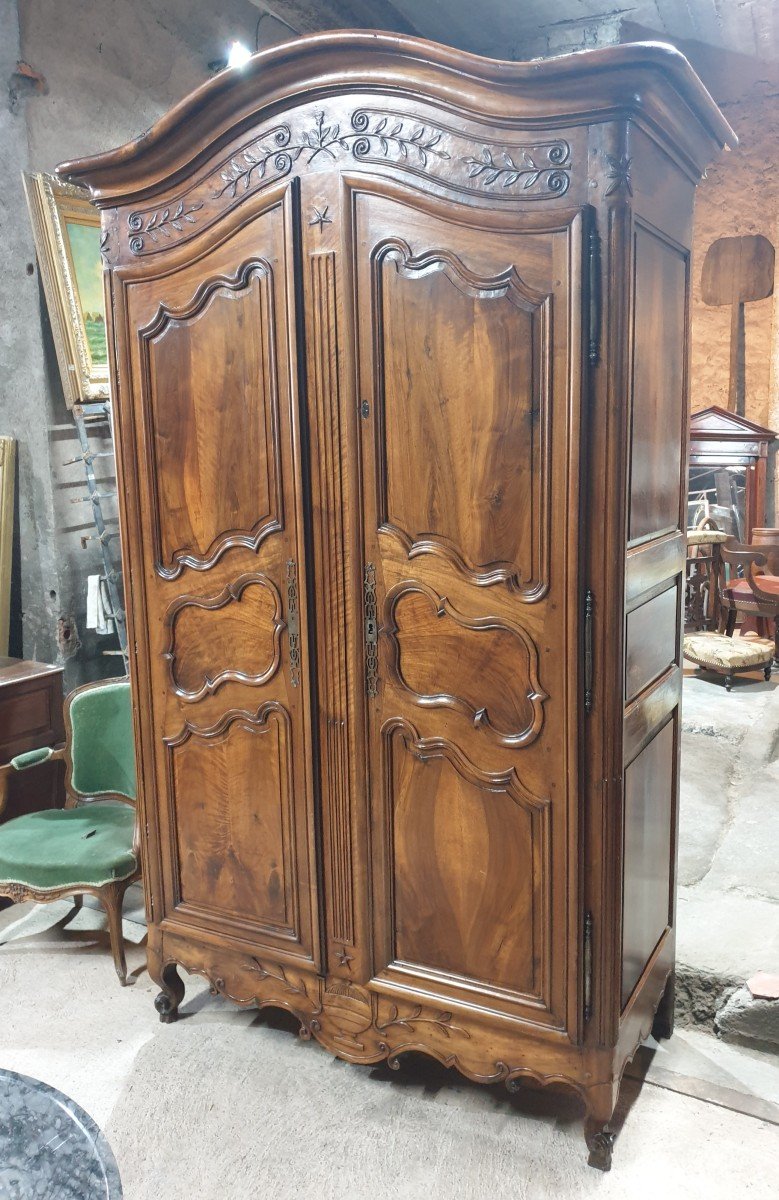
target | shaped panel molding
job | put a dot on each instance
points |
(232, 818)
(456, 835)
(484, 667)
(211, 418)
(462, 480)
(241, 644)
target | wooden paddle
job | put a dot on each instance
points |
(736, 271)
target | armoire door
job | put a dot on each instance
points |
(210, 426)
(469, 347)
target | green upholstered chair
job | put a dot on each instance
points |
(90, 845)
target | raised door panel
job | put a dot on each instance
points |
(212, 415)
(468, 351)
(221, 585)
(460, 478)
(470, 869)
(235, 857)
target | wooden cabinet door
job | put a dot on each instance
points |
(210, 436)
(469, 350)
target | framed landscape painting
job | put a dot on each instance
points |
(67, 236)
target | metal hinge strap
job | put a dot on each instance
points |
(371, 631)
(587, 966)
(293, 622)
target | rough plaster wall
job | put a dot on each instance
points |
(112, 68)
(740, 195)
(25, 408)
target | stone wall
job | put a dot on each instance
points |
(740, 195)
(111, 68)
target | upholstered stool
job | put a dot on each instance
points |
(728, 655)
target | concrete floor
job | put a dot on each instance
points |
(728, 898)
(230, 1105)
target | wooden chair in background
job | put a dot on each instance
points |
(753, 594)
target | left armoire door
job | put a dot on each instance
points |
(211, 424)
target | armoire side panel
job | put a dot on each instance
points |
(649, 805)
(656, 515)
(658, 433)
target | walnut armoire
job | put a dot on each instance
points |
(399, 361)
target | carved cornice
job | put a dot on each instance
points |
(653, 84)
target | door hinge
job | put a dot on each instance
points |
(293, 622)
(589, 609)
(593, 293)
(587, 966)
(371, 631)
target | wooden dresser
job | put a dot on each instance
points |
(399, 361)
(31, 717)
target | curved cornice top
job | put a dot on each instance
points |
(652, 79)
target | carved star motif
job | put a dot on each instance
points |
(343, 958)
(619, 174)
(321, 218)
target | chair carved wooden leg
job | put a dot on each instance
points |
(112, 898)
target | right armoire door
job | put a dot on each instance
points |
(468, 344)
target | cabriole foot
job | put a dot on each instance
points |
(663, 1025)
(600, 1145)
(168, 1001)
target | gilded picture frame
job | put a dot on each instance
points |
(68, 241)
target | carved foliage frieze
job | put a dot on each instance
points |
(517, 170)
(366, 1027)
(242, 644)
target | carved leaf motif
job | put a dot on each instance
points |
(162, 222)
(441, 1021)
(280, 975)
(506, 171)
